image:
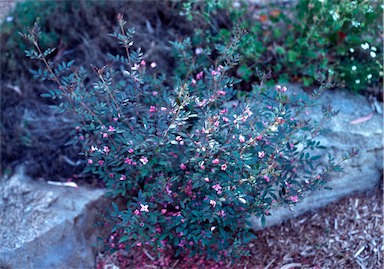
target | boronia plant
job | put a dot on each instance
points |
(192, 163)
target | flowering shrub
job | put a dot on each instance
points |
(191, 163)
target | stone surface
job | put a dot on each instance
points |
(363, 172)
(44, 226)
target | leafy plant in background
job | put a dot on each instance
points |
(191, 163)
(340, 39)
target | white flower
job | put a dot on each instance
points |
(365, 46)
(369, 76)
(9, 19)
(334, 15)
(373, 48)
(354, 68)
(351, 50)
(373, 54)
(357, 81)
(355, 24)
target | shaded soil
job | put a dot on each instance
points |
(345, 234)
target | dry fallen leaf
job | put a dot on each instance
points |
(362, 119)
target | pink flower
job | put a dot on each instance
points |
(163, 211)
(221, 93)
(221, 213)
(216, 123)
(105, 135)
(225, 119)
(144, 208)
(163, 108)
(202, 167)
(90, 161)
(206, 179)
(106, 149)
(278, 88)
(136, 212)
(294, 199)
(199, 75)
(179, 138)
(153, 64)
(111, 129)
(212, 203)
(152, 109)
(261, 154)
(128, 161)
(241, 139)
(154, 93)
(144, 160)
(123, 177)
(284, 89)
(81, 137)
(142, 63)
(217, 188)
(183, 166)
(266, 178)
(216, 161)
(130, 151)
(111, 175)
(223, 167)
(100, 162)
(259, 137)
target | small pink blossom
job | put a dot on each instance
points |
(142, 63)
(152, 109)
(206, 179)
(144, 160)
(284, 89)
(212, 203)
(199, 75)
(163, 211)
(220, 67)
(105, 135)
(216, 124)
(216, 161)
(266, 178)
(90, 161)
(278, 88)
(183, 166)
(144, 208)
(217, 188)
(123, 177)
(259, 137)
(221, 213)
(130, 151)
(224, 111)
(128, 161)
(136, 212)
(115, 119)
(225, 119)
(294, 198)
(81, 137)
(111, 129)
(100, 162)
(179, 138)
(106, 149)
(221, 93)
(153, 64)
(163, 108)
(223, 167)
(202, 167)
(154, 93)
(241, 138)
(112, 175)
(261, 154)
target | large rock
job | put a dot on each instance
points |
(363, 172)
(45, 227)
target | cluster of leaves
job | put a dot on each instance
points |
(341, 39)
(192, 162)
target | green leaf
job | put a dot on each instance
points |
(124, 238)
(292, 56)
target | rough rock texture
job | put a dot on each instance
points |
(44, 226)
(363, 172)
